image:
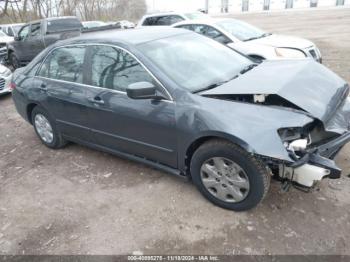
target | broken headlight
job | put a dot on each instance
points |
(295, 140)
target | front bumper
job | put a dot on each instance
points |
(5, 84)
(317, 164)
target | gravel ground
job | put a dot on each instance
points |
(81, 201)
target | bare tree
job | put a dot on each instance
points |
(107, 10)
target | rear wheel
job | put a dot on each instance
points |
(228, 176)
(46, 129)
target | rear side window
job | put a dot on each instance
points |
(65, 64)
(115, 69)
(162, 20)
(63, 25)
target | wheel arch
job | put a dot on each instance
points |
(203, 138)
(29, 110)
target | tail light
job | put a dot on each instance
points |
(12, 85)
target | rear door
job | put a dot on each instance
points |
(61, 79)
(143, 127)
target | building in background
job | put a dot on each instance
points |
(234, 6)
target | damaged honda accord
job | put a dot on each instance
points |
(185, 104)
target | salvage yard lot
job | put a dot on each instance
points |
(81, 201)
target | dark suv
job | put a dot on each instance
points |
(188, 105)
(37, 35)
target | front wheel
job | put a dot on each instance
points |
(46, 129)
(228, 176)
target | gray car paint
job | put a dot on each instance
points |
(165, 130)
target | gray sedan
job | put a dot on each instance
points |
(185, 104)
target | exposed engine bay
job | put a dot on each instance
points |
(312, 147)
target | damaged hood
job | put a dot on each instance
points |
(304, 83)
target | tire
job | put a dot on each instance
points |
(39, 118)
(14, 62)
(243, 182)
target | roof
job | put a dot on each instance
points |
(53, 19)
(132, 36)
(209, 21)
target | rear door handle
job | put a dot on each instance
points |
(96, 100)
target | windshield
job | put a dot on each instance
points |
(241, 30)
(16, 28)
(196, 15)
(2, 34)
(193, 61)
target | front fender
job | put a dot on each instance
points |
(253, 127)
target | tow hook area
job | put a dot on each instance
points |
(308, 171)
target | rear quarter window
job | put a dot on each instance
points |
(65, 63)
(63, 25)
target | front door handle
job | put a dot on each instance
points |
(96, 100)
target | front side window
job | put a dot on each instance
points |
(115, 69)
(216, 35)
(65, 64)
(35, 29)
(193, 61)
(23, 34)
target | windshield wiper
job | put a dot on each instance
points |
(211, 86)
(247, 68)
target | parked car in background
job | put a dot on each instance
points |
(124, 24)
(251, 40)
(169, 18)
(191, 106)
(37, 35)
(11, 29)
(5, 79)
(93, 24)
(4, 39)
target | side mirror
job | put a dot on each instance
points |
(17, 38)
(142, 90)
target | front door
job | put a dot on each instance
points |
(146, 127)
(35, 43)
(21, 49)
(61, 80)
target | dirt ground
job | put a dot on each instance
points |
(81, 201)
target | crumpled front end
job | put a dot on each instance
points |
(314, 147)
